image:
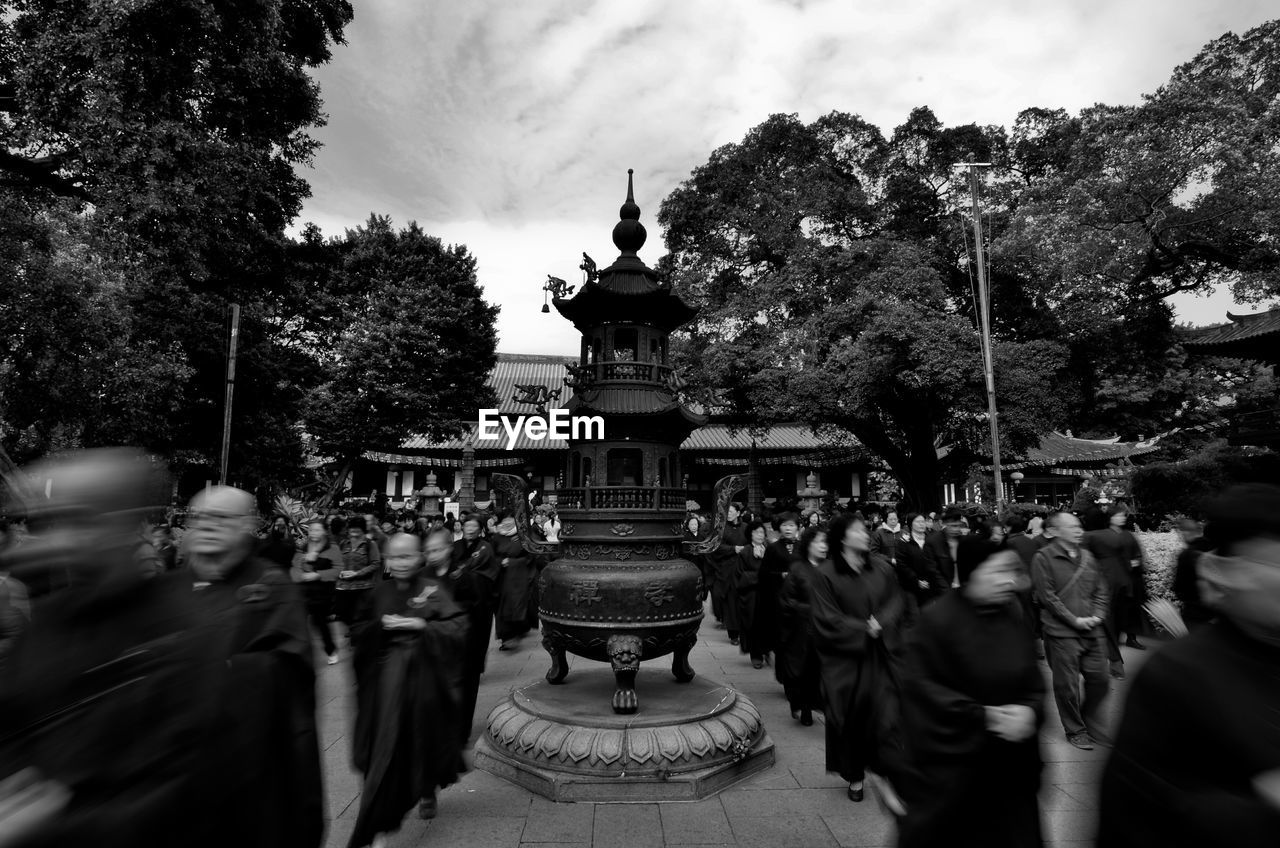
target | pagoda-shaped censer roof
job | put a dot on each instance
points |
(628, 290)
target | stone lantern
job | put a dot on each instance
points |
(621, 591)
(431, 494)
(811, 496)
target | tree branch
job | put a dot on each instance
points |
(39, 173)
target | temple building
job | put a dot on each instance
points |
(778, 461)
(1255, 337)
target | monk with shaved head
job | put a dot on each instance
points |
(264, 766)
(409, 653)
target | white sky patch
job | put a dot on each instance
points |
(510, 127)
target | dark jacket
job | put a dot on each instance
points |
(365, 560)
(1199, 724)
(1065, 596)
(938, 551)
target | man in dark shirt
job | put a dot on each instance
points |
(941, 548)
(1197, 755)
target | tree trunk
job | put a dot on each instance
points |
(328, 497)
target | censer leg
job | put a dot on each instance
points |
(680, 662)
(559, 662)
(624, 656)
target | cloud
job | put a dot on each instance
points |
(509, 126)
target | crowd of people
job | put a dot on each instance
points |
(921, 643)
(161, 691)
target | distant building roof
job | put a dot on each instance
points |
(1058, 449)
(1248, 336)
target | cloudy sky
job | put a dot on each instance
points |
(509, 126)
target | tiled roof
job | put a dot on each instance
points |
(530, 369)
(719, 437)
(1059, 449)
(1247, 330)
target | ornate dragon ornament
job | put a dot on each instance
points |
(726, 488)
(517, 494)
(537, 395)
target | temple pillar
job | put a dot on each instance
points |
(467, 481)
(755, 490)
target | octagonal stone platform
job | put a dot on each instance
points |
(686, 742)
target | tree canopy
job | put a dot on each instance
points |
(834, 266)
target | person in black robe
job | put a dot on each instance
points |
(746, 586)
(408, 662)
(1185, 583)
(263, 758)
(101, 697)
(796, 661)
(1197, 756)
(764, 632)
(723, 561)
(973, 699)
(856, 607)
(1119, 557)
(515, 583)
(473, 580)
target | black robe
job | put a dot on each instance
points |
(859, 673)
(765, 632)
(472, 580)
(409, 694)
(104, 693)
(724, 564)
(515, 586)
(795, 663)
(746, 586)
(962, 785)
(264, 755)
(1199, 724)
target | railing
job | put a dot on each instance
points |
(621, 497)
(640, 372)
(1259, 427)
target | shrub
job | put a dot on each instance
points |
(1161, 551)
(1183, 488)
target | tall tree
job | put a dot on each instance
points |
(825, 260)
(415, 347)
(174, 129)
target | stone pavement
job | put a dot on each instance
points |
(795, 804)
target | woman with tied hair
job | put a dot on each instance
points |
(796, 663)
(857, 610)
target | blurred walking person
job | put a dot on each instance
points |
(1197, 754)
(362, 570)
(408, 662)
(102, 696)
(972, 701)
(473, 579)
(315, 568)
(262, 763)
(724, 563)
(856, 611)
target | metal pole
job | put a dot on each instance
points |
(984, 324)
(231, 387)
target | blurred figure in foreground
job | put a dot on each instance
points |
(409, 648)
(1197, 756)
(263, 783)
(315, 568)
(102, 698)
(972, 701)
